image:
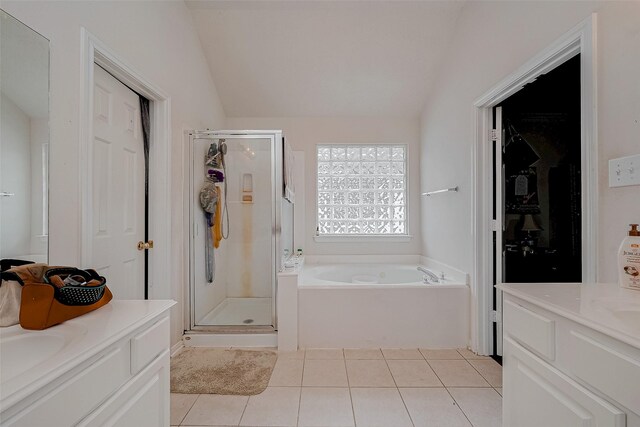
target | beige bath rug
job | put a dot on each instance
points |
(197, 370)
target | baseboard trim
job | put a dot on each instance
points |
(176, 348)
(230, 340)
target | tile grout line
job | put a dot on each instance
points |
(353, 411)
(245, 408)
(449, 393)
(386, 362)
(188, 410)
(459, 407)
(490, 385)
(496, 389)
(434, 371)
(304, 362)
(480, 373)
(474, 368)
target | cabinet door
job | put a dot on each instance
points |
(536, 394)
(79, 395)
(144, 401)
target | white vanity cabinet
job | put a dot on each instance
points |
(116, 373)
(569, 358)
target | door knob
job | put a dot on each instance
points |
(145, 245)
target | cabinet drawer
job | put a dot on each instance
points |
(611, 372)
(148, 344)
(536, 394)
(531, 329)
(73, 400)
(142, 402)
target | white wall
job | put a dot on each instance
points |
(15, 167)
(305, 133)
(492, 40)
(156, 38)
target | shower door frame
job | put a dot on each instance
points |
(275, 138)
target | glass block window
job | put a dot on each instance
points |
(362, 190)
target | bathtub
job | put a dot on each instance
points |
(373, 305)
(375, 275)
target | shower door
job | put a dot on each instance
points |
(242, 292)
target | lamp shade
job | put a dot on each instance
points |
(530, 224)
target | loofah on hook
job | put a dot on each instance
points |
(208, 197)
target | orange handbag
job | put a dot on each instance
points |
(51, 295)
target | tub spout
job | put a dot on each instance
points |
(429, 277)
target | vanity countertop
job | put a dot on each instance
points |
(32, 359)
(606, 308)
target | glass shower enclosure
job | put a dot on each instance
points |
(239, 241)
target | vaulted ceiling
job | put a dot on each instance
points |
(324, 58)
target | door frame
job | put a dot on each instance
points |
(581, 39)
(498, 247)
(159, 220)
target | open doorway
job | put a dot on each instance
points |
(537, 179)
(542, 237)
(578, 45)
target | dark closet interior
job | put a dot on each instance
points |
(542, 184)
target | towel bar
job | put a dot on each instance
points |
(445, 190)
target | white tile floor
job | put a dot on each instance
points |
(358, 387)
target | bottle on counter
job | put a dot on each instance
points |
(629, 260)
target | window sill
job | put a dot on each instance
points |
(355, 239)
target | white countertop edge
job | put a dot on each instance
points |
(631, 340)
(27, 389)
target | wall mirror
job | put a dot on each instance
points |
(24, 141)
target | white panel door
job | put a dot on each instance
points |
(118, 187)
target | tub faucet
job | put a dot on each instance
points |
(429, 277)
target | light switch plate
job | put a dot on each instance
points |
(624, 171)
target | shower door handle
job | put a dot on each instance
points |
(6, 194)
